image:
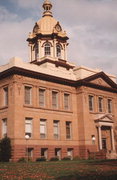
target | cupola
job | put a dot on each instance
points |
(48, 40)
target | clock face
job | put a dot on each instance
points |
(58, 28)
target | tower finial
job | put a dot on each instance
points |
(47, 5)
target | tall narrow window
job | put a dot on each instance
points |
(41, 97)
(36, 49)
(28, 126)
(58, 153)
(100, 101)
(44, 152)
(42, 128)
(28, 95)
(66, 101)
(109, 106)
(54, 99)
(56, 129)
(58, 50)
(5, 96)
(47, 49)
(70, 153)
(68, 130)
(4, 127)
(91, 103)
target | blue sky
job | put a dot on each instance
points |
(90, 24)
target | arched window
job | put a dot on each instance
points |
(58, 50)
(36, 51)
(47, 49)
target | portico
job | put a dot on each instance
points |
(105, 133)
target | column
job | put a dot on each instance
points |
(100, 137)
(65, 51)
(30, 52)
(40, 49)
(54, 48)
(112, 139)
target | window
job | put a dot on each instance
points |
(47, 49)
(58, 153)
(100, 101)
(68, 130)
(28, 95)
(70, 153)
(54, 99)
(36, 51)
(91, 103)
(42, 128)
(44, 152)
(109, 106)
(4, 127)
(66, 101)
(56, 129)
(41, 97)
(5, 96)
(30, 153)
(28, 126)
(58, 50)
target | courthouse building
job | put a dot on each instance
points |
(52, 107)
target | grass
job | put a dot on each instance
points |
(62, 170)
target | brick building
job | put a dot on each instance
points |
(51, 107)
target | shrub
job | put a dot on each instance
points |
(76, 158)
(66, 158)
(54, 159)
(5, 149)
(41, 159)
(22, 160)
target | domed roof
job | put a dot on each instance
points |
(46, 24)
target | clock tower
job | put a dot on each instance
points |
(48, 41)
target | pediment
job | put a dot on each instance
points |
(104, 118)
(101, 82)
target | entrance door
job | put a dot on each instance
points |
(104, 144)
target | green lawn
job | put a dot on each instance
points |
(62, 170)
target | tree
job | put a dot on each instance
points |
(5, 149)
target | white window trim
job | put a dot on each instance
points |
(44, 100)
(31, 90)
(57, 99)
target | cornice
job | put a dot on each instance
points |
(50, 78)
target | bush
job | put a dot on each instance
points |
(5, 149)
(22, 160)
(66, 158)
(54, 159)
(76, 158)
(41, 159)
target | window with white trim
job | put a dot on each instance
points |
(5, 96)
(28, 95)
(47, 49)
(36, 49)
(43, 128)
(100, 104)
(4, 127)
(109, 101)
(66, 101)
(91, 103)
(28, 127)
(41, 97)
(58, 50)
(54, 99)
(56, 129)
(70, 153)
(44, 152)
(68, 130)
